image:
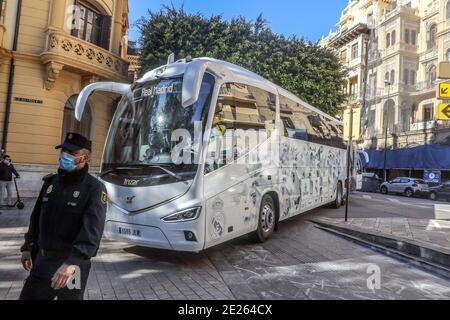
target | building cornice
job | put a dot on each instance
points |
(349, 35)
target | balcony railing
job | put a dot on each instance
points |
(426, 85)
(423, 125)
(65, 51)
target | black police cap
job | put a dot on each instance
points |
(75, 141)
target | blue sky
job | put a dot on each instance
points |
(305, 18)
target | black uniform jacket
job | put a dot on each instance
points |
(69, 216)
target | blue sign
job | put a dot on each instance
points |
(432, 176)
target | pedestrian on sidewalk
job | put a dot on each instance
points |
(6, 179)
(66, 227)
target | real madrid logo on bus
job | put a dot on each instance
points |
(76, 194)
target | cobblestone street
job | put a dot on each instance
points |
(299, 262)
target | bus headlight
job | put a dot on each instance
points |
(185, 215)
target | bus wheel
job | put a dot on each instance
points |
(339, 197)
(267, 219)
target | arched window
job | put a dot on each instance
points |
(392, 77)
(388, 40)
(405, 76)
(432, 36)
(447, 56)
(91, 25)
(448, 10)
(432, 75)
(386, 78)
(393, 37)
(70, 124)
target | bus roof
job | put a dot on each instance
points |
(230, 70)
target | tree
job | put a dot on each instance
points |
(311, 72)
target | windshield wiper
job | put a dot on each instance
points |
(171, 173)
(105, 173)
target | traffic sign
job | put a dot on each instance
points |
(444, 70)
(444, 90)
(444, 111)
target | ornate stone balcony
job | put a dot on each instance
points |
(64, 51)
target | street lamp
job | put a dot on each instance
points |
(388, 83)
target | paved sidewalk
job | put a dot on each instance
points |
(431, 233)
(298, 262)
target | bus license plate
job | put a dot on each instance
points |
(130, 232)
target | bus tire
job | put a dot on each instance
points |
(266, 220)
(337, 203)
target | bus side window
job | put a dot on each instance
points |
(294, 120)
(241, 110)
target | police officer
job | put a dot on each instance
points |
(66, 227)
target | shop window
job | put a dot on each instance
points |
(90, 25)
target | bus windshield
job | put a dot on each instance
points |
(140, 138)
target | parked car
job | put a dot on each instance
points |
(371, 182)
(440, 192)
(407, 186)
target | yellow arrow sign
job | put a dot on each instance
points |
(444, 90)
(444, 111)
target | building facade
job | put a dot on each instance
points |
(50, 50)
(392, 49)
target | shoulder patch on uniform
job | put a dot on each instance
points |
(104, 197)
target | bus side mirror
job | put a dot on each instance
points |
(113, 87)
(192, 82)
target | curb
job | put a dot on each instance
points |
(421, 255)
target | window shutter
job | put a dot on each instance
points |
(106, 32)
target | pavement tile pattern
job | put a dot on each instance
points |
(299, 262)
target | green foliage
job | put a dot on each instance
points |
(311, 72)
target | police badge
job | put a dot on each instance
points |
(104, 197)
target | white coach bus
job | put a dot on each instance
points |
(177, 176)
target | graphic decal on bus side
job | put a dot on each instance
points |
(304, 183)
(307, 178)
(218, 225)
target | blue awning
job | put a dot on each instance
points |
(427, 157)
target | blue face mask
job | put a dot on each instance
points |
(67, 162)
